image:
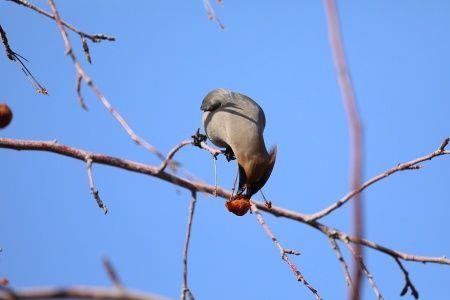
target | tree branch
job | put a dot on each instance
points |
(199, 186)
(184, 288)
(97, 293)
(410, 165)
(94, 191)
(355, 129)
(171, 154)
(93, 37)
(408, 283)
(337, 250)
(13, 56)
(112, 274)
(85, 77)
(212, 14)
(284, 252)
(369, 275)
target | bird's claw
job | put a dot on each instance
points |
(198, 138)
(229, 155)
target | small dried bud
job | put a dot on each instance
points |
(239, 205)
(5, 115)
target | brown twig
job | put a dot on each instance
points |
(78, 81)
(355, 129)
(410, 165)
(171, 154)
(85, 77)
(337, 250)
(112, 274)
(94, 191)
(184, 288)
(95, 38)
(81, 292)
(408, 283)
(13, 56)
(212, 14)
(213, 151)
(369, 276)
(284, 252)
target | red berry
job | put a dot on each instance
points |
(5, 115)
(239, 205)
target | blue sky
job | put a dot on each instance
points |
(167, 56)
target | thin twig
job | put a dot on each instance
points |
(112, 274)
(184, 288)
(81, 73)
(355, 130)
(284, 252)
(337, 250)
(171, 154)
(213, 151)
(212, 14)
(410, 165)
(13, 56)
(86, 49)
(93, 37)
(369, 276)
(94, 191)
(78, 88)
(408, 282)
(214, 158)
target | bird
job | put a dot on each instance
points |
(235, 122)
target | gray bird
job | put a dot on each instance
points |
(235, 122)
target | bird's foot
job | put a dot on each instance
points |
(268, 204)
(240, 193)
(198, 138)
(229, 154)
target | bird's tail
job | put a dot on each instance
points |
(273, 157)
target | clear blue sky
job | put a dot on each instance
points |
(166, 58)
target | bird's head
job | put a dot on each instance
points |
(215, 99)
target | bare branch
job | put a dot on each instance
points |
(410, 165)
(75, 292)
(9, 52)
(284, 252)
(86, 48)
(369, 276)
(93, 37)
(337, 250)
(94, 191)
(443, 145)
(355, 129)
(18, 59)
(199, 186)
(112, 274)
(212, 14)
(81, 73)
(184, 288)
(408, 282)
(171, 154)
(78, 88)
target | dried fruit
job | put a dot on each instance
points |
(5, 115)
(239, 205)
